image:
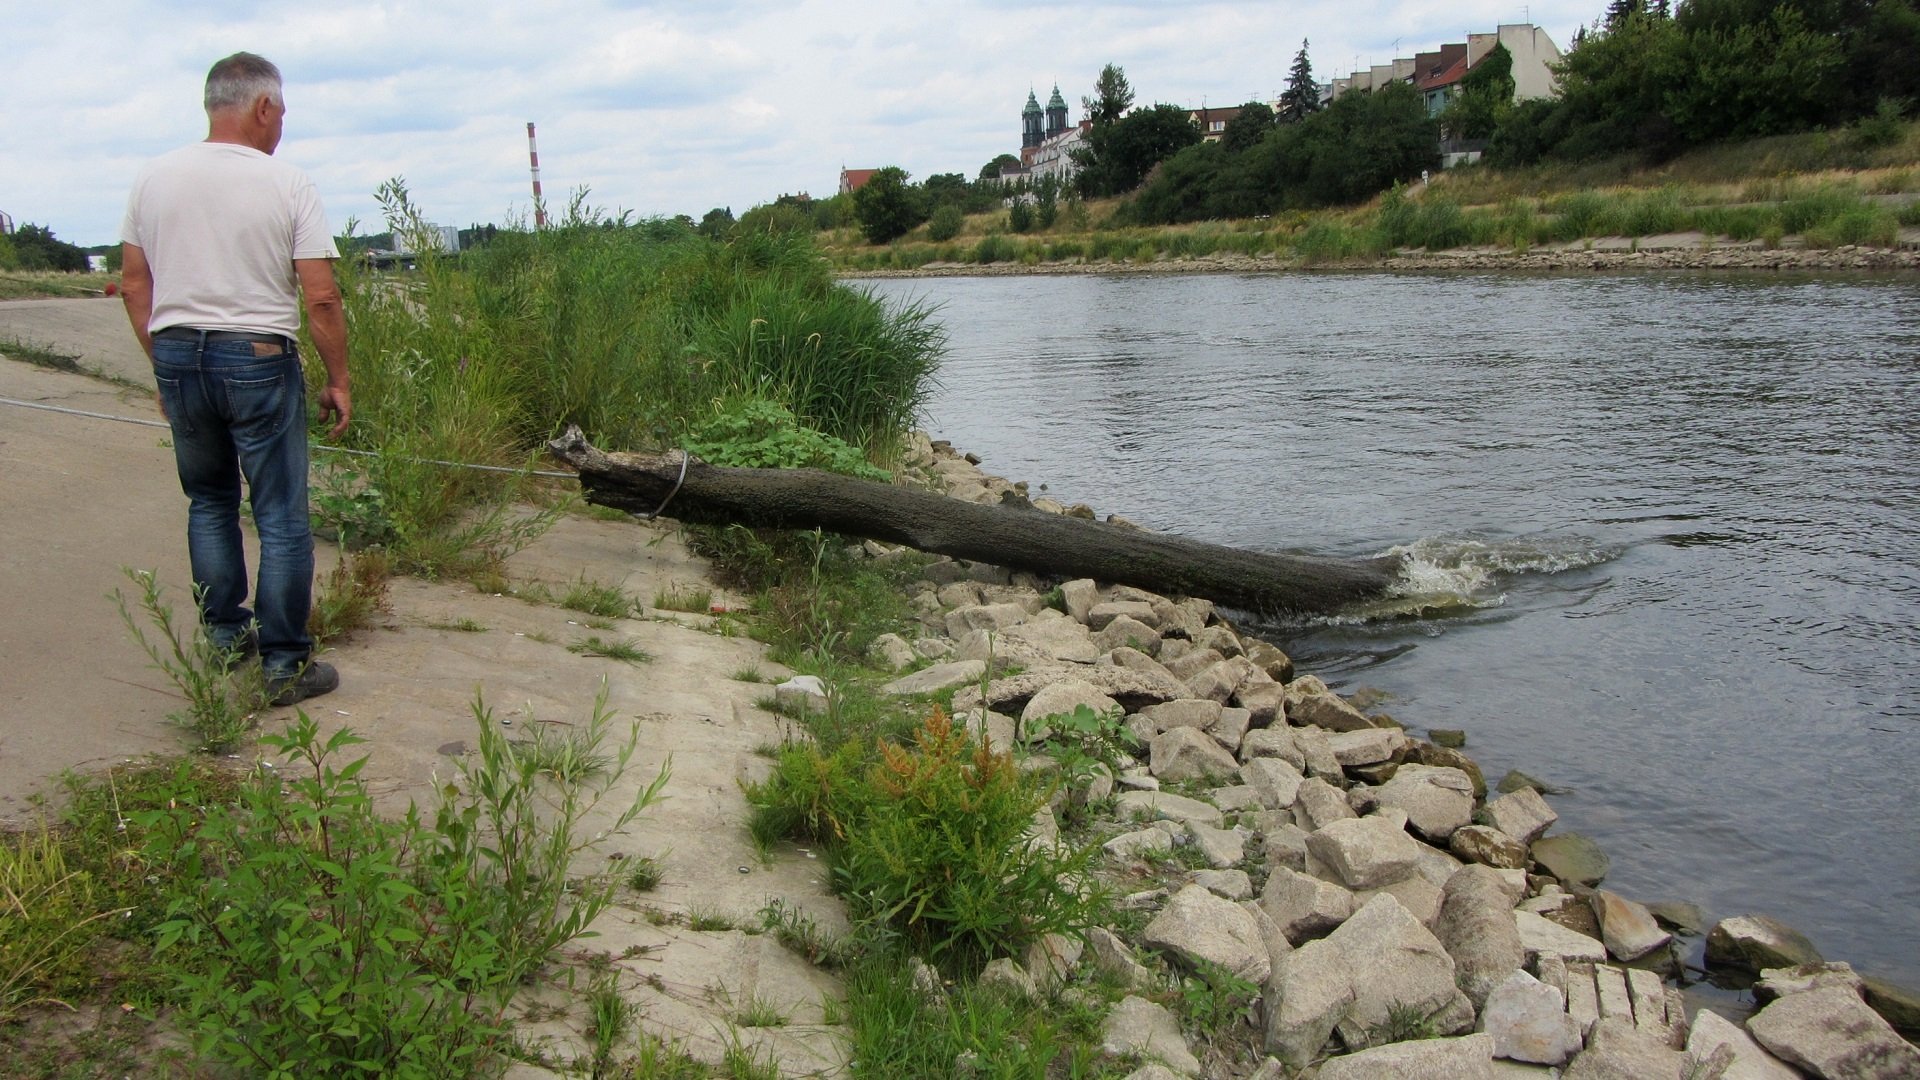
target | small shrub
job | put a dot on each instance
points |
(994, 248)
(1214, 999)
(645, 873)
(945, 224)
(593, 598)
(352, 592)
(216, 713)
(758, 433)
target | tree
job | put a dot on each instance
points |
(1112, 96)
(1619, 11)
(887, 206)
(1302, 96)
(36, 248)
(1118, 156)
(1247, 127)
(1486, 94)
(991, 170)
(942, 189)
(716, 223)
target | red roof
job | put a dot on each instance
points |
(855, 179)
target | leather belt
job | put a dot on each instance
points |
(188, 333)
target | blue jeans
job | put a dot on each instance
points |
(236, 414)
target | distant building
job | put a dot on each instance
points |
(1046, 142)
(852, 180)
(1213, 122)
(1437, 74)
(6, 223)
(444, 238)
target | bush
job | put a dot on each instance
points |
(945, 224)
(994, 248)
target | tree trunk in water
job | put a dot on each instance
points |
(1014, 536)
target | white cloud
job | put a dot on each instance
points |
(659, 107)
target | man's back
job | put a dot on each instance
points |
(221, 225)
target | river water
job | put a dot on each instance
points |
(1665, 528)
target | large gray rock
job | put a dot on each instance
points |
(1741, 1058)
(1317, 752)
(1220, 847)
(1528, 1021)
(1138, 844)
(1127, 632)
(1265, 702)
(932, 680)
(1310, 990)
(1132, 689)
(1572, 858)
(1140, 1028)
(1488, 846)
(802, 693)
(1226, 884)
(1230, 729)
(1189, 754)
(1419, 896)
(1182, 712)
(1756, 942)
(1269, 659)
(892, 652)
(1899, 1004)
(1523, 815)
(1318, 804)
(1426, 753)
(1079, 596)
(1779, 982)
(1062, 698)
(1185, 661)
(1275, 742)
(1128, 657)
(1310, 702)
(1275, 782)
(1219, 681)
(1366, 853)
(1112, 956)
(1161, 805)
(1437, 800)
(1626, 928)
(1199, 927)
(1304, 907)
(1542, 937)
(1100, 615)
(1368, 746)
(984, 617)
(1396, 964)
(1476, 927)
(1616, 1050)
(1285, 845)
(1058, 637)
(1832, 1034)
(1468, 1057)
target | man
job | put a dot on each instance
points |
(217, 237)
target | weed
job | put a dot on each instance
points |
(658, 1060)
(675, 598)
(1213, 999)
(48, 918)
(742, 1062)
(215, 713)
(568, 754)
(609, 1020)
(595, 622)
(751, 673)
(758, 1012)
(461, 625)
(350, 594)
(594, 598)
(1404, 1022)
(705, 918)
(626, 650)
(542, 637)
(797, 931)
(349, 508)
(645, 874)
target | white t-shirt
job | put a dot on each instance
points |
(220, 225)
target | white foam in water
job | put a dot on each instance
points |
(1443, 571)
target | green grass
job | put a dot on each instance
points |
(687, 598)
(596, 598)
(626, 650)
(645, 873)
(462, 625)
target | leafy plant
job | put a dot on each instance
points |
(349, 508)
(759, 433)
(1084, 739)
(645, 874)
(353, 590)
(1213, 999)
(215, 713)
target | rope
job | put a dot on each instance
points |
(662, 508)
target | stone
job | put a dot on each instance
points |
(1310, 992)
(1754, 943)
(1616, 1050)
(995, 729)
(1232, 885)
(1572, 858)
(1285, 845)
(1419, 896)
(1899, 1004)
(1310, 702)
(1566, 909)
(1062, 699)
(1304, 907)
(1451, 738)
(1134, 659)
(1185, 663)
(1100, 615)
(1172, 649)
(1626, 928)
(1317, 753)
(802, 693)
(1395, 964)
(1516, 780)
(1275, 782)
(1744, 1058)
(1220, 680)
(1052, 958)
(1583, 996)
(959, 594)
(1220, 639)
(1679, 916)
(984, 617)
(1318, 804)
(1437, 866)
(1468, 1057)
(1523, 815)
(933, 648)
(1140, 1028)
(1488, 846)
(1079, 596)
(1189, 754)
(1366, 747)
(1437, 800)
(932, 680)
(1201, 928)
(1649, 994)
(1134, 690)
(1007, 975)
(1153, 1071)
(1175, 620)
(1528, 1021)
(1426, 753)
(1127, 632)
(1541, 937)
(1058, 638)
(1274, 742)
(1366, 852)
(1230, 729)
(892, 652)
(1158, 805)
(1138, 844)
(1220, 847)
(1477, 929)
(1182, 712)
(1831, 1033)
(1112, 956)
(1610, 987)
(1269, 659)
(1235, 797)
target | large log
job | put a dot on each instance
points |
(1015, 536)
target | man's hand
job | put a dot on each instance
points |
(336, 401)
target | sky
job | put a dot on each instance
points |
(664, 108)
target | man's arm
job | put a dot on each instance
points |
(136, 291)
(327, 319)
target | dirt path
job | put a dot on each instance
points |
(83, 498)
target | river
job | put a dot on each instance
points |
(1666, 529)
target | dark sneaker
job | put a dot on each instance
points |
(314, 679)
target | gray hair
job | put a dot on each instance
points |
(240, 80)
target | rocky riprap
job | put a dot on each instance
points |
(1399, 919)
